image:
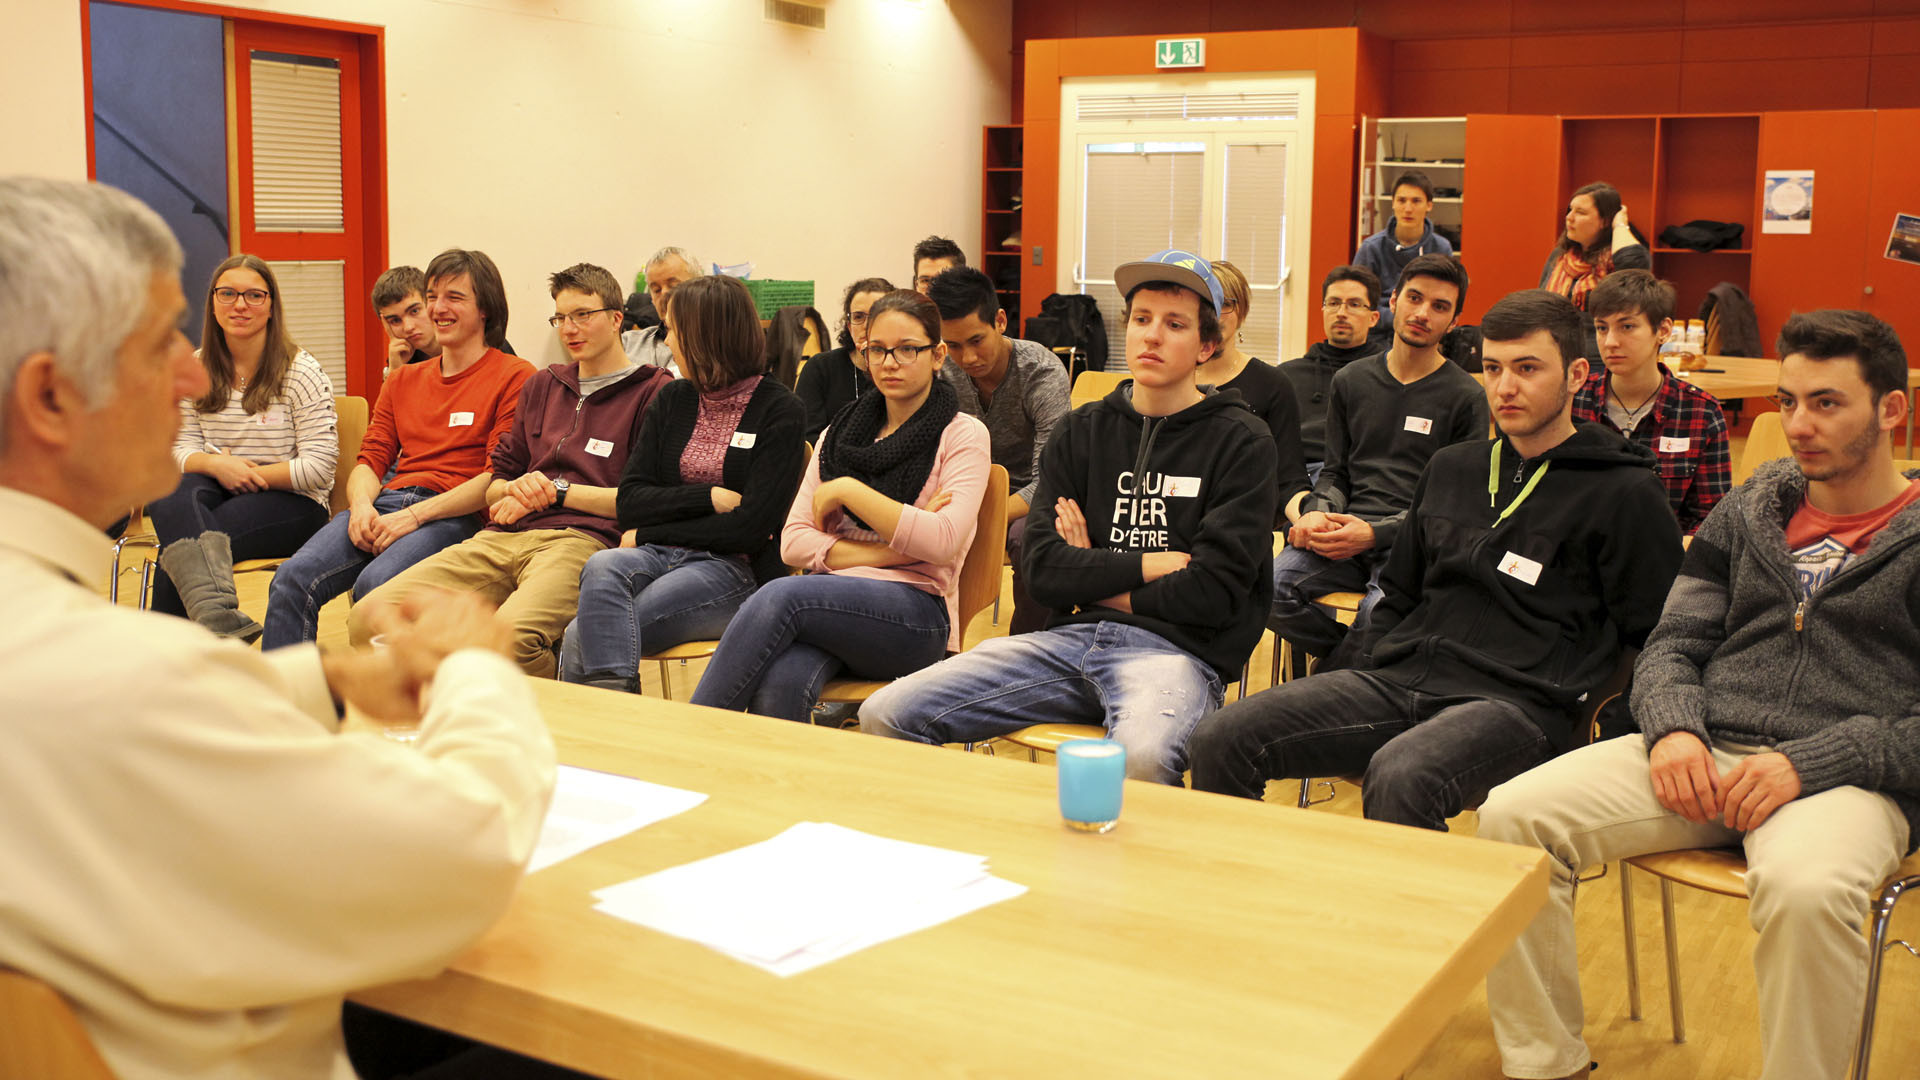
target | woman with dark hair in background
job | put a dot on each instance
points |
(882, 521)
(787, 335)
(1597, 240)
(256, 452)
(710, 477)
(837, 376)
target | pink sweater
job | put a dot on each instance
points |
(938, 541)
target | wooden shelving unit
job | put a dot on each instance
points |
(1002, 163)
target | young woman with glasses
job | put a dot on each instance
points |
(882, 522)
(833, 378)
(256, 453)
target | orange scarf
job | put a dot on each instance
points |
(1573, 277)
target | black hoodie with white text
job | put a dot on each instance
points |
(1199, 481)
(1532, 605)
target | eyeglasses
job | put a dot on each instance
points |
(904, 353)
(1355, 305)
(576, 318)
(858, 318)
(228, 297)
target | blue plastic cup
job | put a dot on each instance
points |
(1091, 772)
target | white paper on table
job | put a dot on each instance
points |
(813, 893)
(590, 808)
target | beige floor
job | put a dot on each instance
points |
(1716, 947)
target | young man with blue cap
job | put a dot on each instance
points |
(1149, 537)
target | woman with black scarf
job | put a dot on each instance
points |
(881, 524)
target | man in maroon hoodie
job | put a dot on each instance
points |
(555, 474)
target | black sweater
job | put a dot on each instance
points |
(1459, 615)
(1270, 395)
(662, 510)
(826, 384)
(1312, 379)
(1199, 482)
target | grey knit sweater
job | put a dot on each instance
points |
(1832, 682)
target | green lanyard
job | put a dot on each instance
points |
(1493, 484)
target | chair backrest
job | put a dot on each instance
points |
(352, 427)
(1767, 440)
(44, 1039)
(1092, 385)
(1904, 466)
(980, 573)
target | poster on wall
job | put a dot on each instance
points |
(1787, 205)
(1903, 244)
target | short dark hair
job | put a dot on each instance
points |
(1831, 333)
(938, 247)
(587, 278)
(488, 292)
(962, 290)
(1413, 178)
(397, 284)
(717, 327)
(1360, 274)
(1440, 268)
(864, 285)
(1518, 314)
(1209, 315)
(1626, 291)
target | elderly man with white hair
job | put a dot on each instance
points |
(197, 857)
(666, 271)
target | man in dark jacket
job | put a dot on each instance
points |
(1347, 324)
(1524, 565)
(556, 473)
(1148, 538)
(1779, 711)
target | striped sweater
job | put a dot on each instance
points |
(299, 428)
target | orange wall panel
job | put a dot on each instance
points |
(1645, 88)
(1747, 86)
(1893, 190)
(1822, 268)
(1508, 221)
(1450, 93)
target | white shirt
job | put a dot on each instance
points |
(197, 858)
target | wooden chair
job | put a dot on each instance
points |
(43, 1037)
(1767, 440)
(1723, 871)
(1091, 386)
(351, 430)
(702, 650)
(979, 581)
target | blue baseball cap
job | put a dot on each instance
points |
(1179, 267)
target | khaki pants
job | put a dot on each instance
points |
(1811, 870)
(534, 576)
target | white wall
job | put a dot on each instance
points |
(598, 130)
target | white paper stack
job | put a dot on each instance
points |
(590, 808)
(814, 893)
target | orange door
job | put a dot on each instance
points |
(1508, 218)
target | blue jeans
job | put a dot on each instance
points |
(796, 633)
(1425, 757)
(329, 564)
(1143, 689)
(639, 600)
(1299, 576)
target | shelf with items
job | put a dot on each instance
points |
(1390, 146)
(1002, 244)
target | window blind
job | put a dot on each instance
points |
(296, 143)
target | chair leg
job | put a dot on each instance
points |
(666, 681)
(146, 584)
(1673, 962)
(1633, 953)
(1279, 660)
(1876, 953)
(1306, 792)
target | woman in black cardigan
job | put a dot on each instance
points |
(704, 492)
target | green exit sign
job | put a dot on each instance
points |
(1180, 53)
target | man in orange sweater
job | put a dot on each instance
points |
(437, 424)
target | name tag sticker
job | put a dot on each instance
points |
(1520, 568)
(460, 419)
(599, 447)
(269, 418)
(1670, 445)
(1182, 486)
(1419, 425)
(742, 440)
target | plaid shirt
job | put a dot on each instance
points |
(1687, 432)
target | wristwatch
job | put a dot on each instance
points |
(560, 492)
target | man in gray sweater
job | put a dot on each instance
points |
(1779, 705)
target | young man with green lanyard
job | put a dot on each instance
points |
(1524, 565)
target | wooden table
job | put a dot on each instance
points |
(1747, 377)
(1205, 936)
